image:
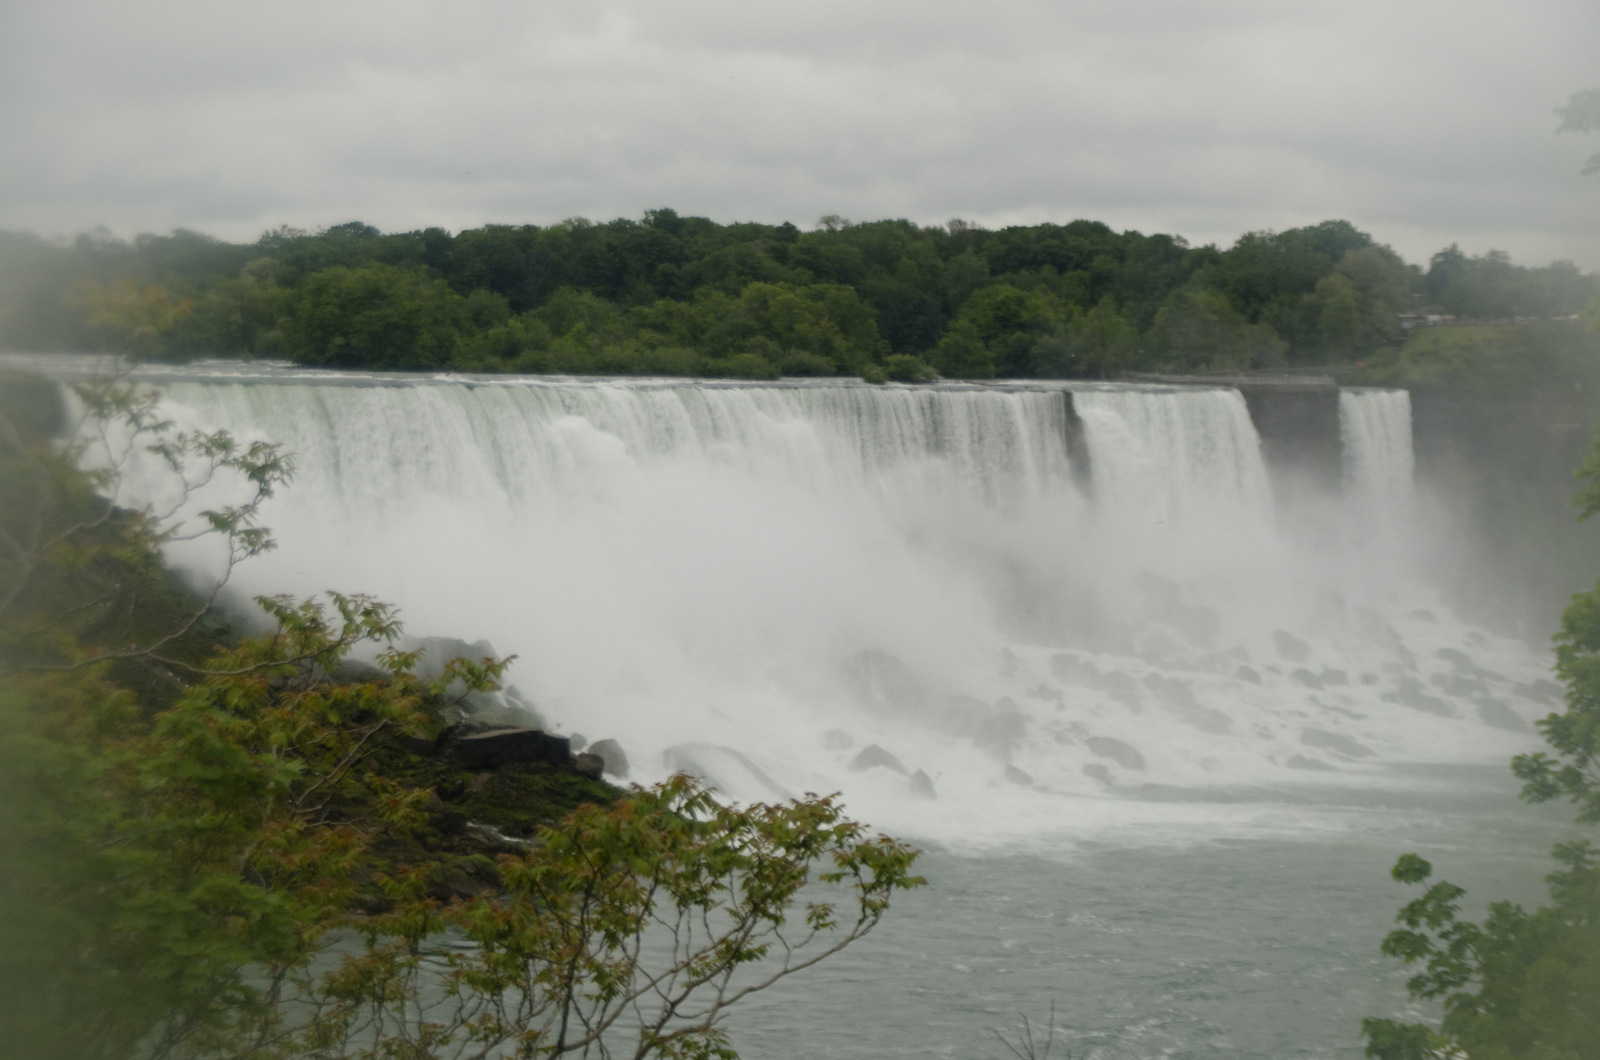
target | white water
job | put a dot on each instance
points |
(1375, 428)
(1164, 454)
(758, 581)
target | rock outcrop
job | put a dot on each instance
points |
(493, 748)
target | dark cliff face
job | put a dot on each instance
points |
(1497, 473)
(1299, 427)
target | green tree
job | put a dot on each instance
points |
(1197, 330)
(1339, 318)
(236, 317)
(374, 316)
(996, 332)
(133, 315)
(961, 354)
(1385, 286)
(1097, 344)
(904, 368)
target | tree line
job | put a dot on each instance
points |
(675, 295)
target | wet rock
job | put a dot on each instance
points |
(1096, 771)
(1046, 694)
(1123, 688)
(1003, 728)
(588, 765)
(1377, 629)
(417, 745)
(1160, 648)
(493, 748)
(1461, 685)
(506, 709)
(1332, 741)
(1306, 677)
(1290, 646)
(356, 672)
(491, 836)
(881, 681)
(470, 878)
(1064, 666)
(1124, 754)
(439, 652)
(611, 753)
(872, 757)
(723, 769)
(922, 786)
(1247, 673)
(517, 701)
(1500, 715)
(1177, 696)
(578, 741)
(1541, 690)
(1409, 694)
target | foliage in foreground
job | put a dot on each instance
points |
(225, 871)
(208, 884)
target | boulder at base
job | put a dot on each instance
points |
(494, 748)
(610, 752)
(872, 756)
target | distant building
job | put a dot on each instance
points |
(1429, 316)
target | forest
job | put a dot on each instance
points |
(675, 295)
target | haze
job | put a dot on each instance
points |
(1424, 123)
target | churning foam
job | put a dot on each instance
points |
(829, 586)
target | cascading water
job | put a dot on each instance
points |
(758, 582)
(1375, 429)
(1162, 453)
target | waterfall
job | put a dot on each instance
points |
(1166, 452)
(1375, 429)
(759, 582)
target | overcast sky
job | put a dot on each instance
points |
(1425, 122)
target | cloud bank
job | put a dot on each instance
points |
(1425, 123)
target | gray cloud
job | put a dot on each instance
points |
(1426, 122)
